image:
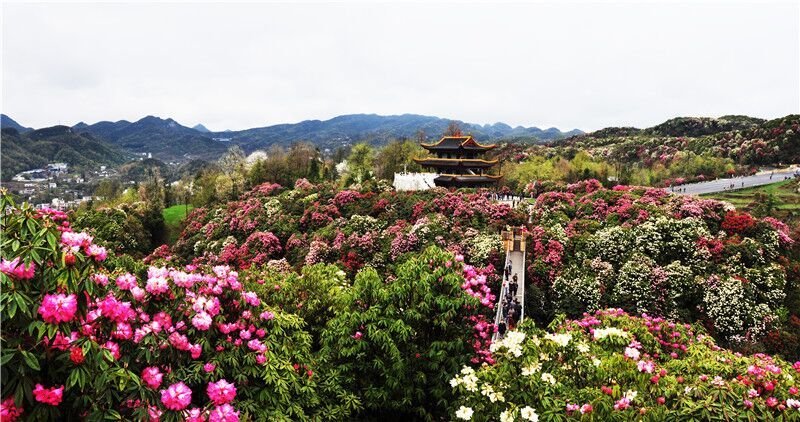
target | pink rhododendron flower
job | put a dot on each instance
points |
(152, 376)
(58, 308)
(100, 279)
(176, 397)
(202, 321)
(632, 353)
(251, 298)
(194, 415)
(267, 315)
(586, 408)
(126, 281)
(209, 367)
(622, 404)
(51, 396)
(137, 293)
(9, 412)
(224, 413)
(221, 392)
(646, 366)
(97, 252)
(157, 285)
(16, 269)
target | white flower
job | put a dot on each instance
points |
(464, 412)
(529, 414)
(512, 342)
(582, 347)
(631, 394)
(560, 339)
(531, 369)
(470, 382)
(610, 331)
(466, 370)
(687, 390)
(507, 416)
(546, 377)
(793, 404)
(455, 381)
(596, 362)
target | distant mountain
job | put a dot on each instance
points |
(7, 122)
(347, 129)
(168, 140)
(36, 148)
(165, 139)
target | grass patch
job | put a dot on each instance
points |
(787, 199)
(173, 218)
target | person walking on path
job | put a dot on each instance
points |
(512, 319)
(513, 286)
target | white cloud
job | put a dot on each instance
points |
(586, 65)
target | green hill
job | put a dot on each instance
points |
(34, 149)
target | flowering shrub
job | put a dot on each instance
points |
(647, 251)
(611, 366)
(83, 340)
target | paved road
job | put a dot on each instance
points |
(720, 185)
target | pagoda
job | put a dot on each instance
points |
(458, 162)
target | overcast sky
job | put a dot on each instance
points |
(582, 65)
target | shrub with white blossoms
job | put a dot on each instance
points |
(611, 366)
(482, 246)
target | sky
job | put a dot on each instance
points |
(585, 65)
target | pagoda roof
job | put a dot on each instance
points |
(455, 162)
(458, 142)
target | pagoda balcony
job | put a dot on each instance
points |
(455, 162)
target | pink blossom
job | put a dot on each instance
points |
(16, 269)
(126, 281)
(156, 285)
(646, 366)
(267, 315)
(202, 321)
(632, 353)
(137, 293)
(209, 367)
(97, 252)
(100, 279)
(152, 376)
(194, 415)
(251, 298)
(224, 413)
(58, 308)
(51, 396)
(9, 412)
(586, 408)
(622, 404)
(176, 397)
(221, 392)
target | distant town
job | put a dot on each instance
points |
(57, 187)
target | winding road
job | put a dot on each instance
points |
(720, 185)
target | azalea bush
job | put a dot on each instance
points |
(644, 250)
(84, 341)
(612, 366)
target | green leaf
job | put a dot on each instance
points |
(31, 360)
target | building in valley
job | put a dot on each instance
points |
(459, 163)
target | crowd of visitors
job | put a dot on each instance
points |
(511, 308)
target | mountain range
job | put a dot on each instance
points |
(168, 140)
(30, 149)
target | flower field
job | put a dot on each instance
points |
(317, 303)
